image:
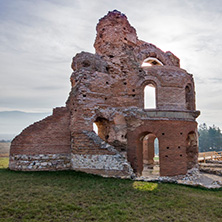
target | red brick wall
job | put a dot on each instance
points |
(172, 136)
(48, 136)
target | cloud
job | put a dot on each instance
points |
(39, 38)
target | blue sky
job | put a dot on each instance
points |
(38, 39)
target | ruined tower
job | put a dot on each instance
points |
(109, 90)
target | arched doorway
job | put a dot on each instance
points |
(150, 155)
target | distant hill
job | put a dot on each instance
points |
(13, 122)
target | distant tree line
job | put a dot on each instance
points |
(5, 141)
(210, 138)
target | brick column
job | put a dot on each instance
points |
(150, 145)
(145, 150)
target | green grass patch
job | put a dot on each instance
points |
(142, 186)
(75, 196)
(4, 162)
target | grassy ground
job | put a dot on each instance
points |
(4, 162)
(74, 196)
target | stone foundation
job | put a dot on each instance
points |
(112, 165)
(41, 162)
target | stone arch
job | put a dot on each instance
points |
(192, 150)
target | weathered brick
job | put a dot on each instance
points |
(108, 90)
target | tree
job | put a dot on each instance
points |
(210, 138)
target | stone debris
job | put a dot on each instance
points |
(212, 167)
(193, 178)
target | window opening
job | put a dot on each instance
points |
(151, 61)
(150, 97)
(95, 128)
(101, 127)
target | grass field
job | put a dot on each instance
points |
(4, 162)
(74, 196)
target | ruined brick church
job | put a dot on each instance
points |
(109, 90)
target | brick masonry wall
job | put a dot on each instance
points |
(48, 136)
(108, 89)
(173, 144)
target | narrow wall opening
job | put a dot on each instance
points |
(189, 97)
(101, 127)
(150, 96)
(150, 151)
(95, 128)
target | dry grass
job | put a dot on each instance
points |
(4, 162)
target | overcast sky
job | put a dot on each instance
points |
(38, 39)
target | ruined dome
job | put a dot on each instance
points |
(113, 30)
(116, 37)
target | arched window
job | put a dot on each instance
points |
(150, 96)
(151, 61)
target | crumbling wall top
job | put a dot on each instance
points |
(116, 37)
